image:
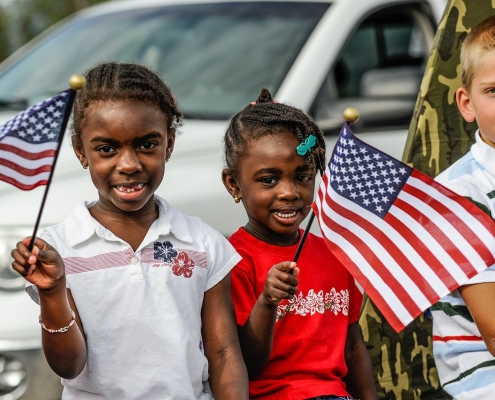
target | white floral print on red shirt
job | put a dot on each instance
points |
(333, 301)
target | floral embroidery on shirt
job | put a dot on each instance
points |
(164, 251)
(183, 265)
(313, 303)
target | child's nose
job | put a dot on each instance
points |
(288, 191)
(128, 162)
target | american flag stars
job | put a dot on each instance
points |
(29, 142)
(365, 175)
(36, 126)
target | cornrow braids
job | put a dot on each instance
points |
(123, 81)
(264, 117)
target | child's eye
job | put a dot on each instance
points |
(147, 145)
(105, 149)
(304, 178)
(268, 180)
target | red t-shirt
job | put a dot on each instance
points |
(307, 358)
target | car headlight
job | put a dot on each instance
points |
(9, 279)
(13, 377)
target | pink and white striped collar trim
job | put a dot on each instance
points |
(79, 225)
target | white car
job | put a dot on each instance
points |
(321, 56)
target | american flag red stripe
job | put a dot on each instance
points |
(26, 154)
(460, 224)
(29, 142)
(23, 167)
(458, 239)
(436, 232)
(22, 186)
(410, 270)
(423, 249)
(406, 239)
(364, 242)
(25, 171)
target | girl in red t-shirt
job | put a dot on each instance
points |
(297, 323)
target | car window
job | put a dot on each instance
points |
(215, 57)
(378, 71)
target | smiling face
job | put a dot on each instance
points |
(276, 187)
(125, 144)
(479, 101)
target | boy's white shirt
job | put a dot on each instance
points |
(473, 176)
(457, 344)
(141, 315)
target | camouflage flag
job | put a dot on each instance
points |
(438, 136)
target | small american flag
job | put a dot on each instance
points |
(406, 239)
(29, 142)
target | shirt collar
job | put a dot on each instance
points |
(484, 154)
(81, 226)
(171, 220)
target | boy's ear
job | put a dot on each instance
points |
(79, 153)
(464, 104)
(231, 184)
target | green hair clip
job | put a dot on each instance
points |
(305, 146)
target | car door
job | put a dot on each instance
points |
(379, 72)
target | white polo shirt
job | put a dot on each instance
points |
(141, 310)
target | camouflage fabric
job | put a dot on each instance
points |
(403, 363)
(438, 136)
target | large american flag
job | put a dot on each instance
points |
(406, 239)
(29, 141)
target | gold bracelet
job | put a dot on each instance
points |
(61, 330)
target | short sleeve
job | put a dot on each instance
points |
(355, 300)
(485, 276)
(220, 255)
(472, 190)
(243, 291)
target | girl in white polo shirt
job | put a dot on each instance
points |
(134, 295)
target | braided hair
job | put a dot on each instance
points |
(265, 117)
(122, 81)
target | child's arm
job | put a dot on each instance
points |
(359, 379)
(228, 377)
(256, 335)
(479, 299)
(65, 352)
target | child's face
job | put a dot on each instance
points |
(276, 187)
(479, 102)
(125, 144)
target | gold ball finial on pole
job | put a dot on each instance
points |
(351, 115)
(77, 82)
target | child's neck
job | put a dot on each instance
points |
(271, 237)
(131, 227)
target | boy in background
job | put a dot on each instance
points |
(463, 321)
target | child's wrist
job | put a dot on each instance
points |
(266, 303)
(57, 287)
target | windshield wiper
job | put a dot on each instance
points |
(206, 116)
(13, 104)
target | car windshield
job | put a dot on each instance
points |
(215, 57)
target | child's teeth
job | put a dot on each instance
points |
(286, 214)
(129, 189)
